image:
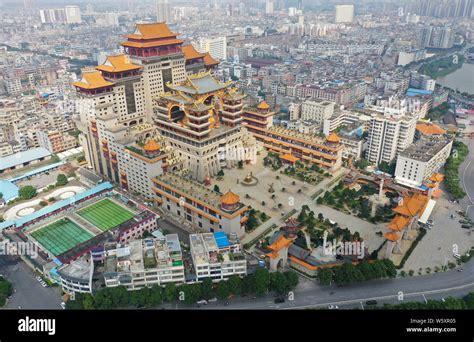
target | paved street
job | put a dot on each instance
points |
(311, 295)
(29, 292)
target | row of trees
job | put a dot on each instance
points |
(450, 303)
(258, 283)
(459, 152)
(348, 273)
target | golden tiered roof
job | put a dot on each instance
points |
(191, 53)
(118, 63)
(392, 236)
(263, 105)
(229, 198)
(280, 243)
(289, 157)
(399, 223)
(152, 146)
(209, 60)
(430, 129)
(92, 80)
(152, 31)
(333, 137)
(413, 205)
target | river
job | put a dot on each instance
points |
(462, 79)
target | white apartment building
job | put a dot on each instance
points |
(420, 81)
(217, 47)
(215, 257)
(313, 110)
(344, 14)
(73, 15)
(144, 263)
(163, 11)
(388, 136)
(422, 159)
(76, 277)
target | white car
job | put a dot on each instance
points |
(333, 307)
(457, 256)
(202, 302)
(63, 305)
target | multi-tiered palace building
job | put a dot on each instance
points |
(157, 109)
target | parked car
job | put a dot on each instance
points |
(39, 279)
(371, 302)
(279, 300)
(466, 226)
(63, 305)
(333, 307)
(202, 302)
(457, 255)
(212, 300)
(43, 283)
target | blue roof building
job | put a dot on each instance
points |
(9, 190)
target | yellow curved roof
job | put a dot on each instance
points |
(333, 137)
(264, 105)
(152, 31)
(229, 198)
(152, 146)
(118, 63)
(92, 80)
(392, 236)
(190, 52)
(430, 129)
(398, 223)
(208, 60)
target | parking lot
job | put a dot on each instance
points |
(29, 293)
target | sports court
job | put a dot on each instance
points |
(61, 236)
(105, 214)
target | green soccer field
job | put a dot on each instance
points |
(105, 214)
(61, 236)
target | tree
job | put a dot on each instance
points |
(27, 192)
(278, 282)
(170, 292)
(192, 292)
(325, 276)
(207, 290)
(240, 164)
(262, 281)
(61, 180)
(216, 188)
(469, 300)
(88, 302)
(292, 279)
(235, 285)
(220, 173)
(223, 291)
